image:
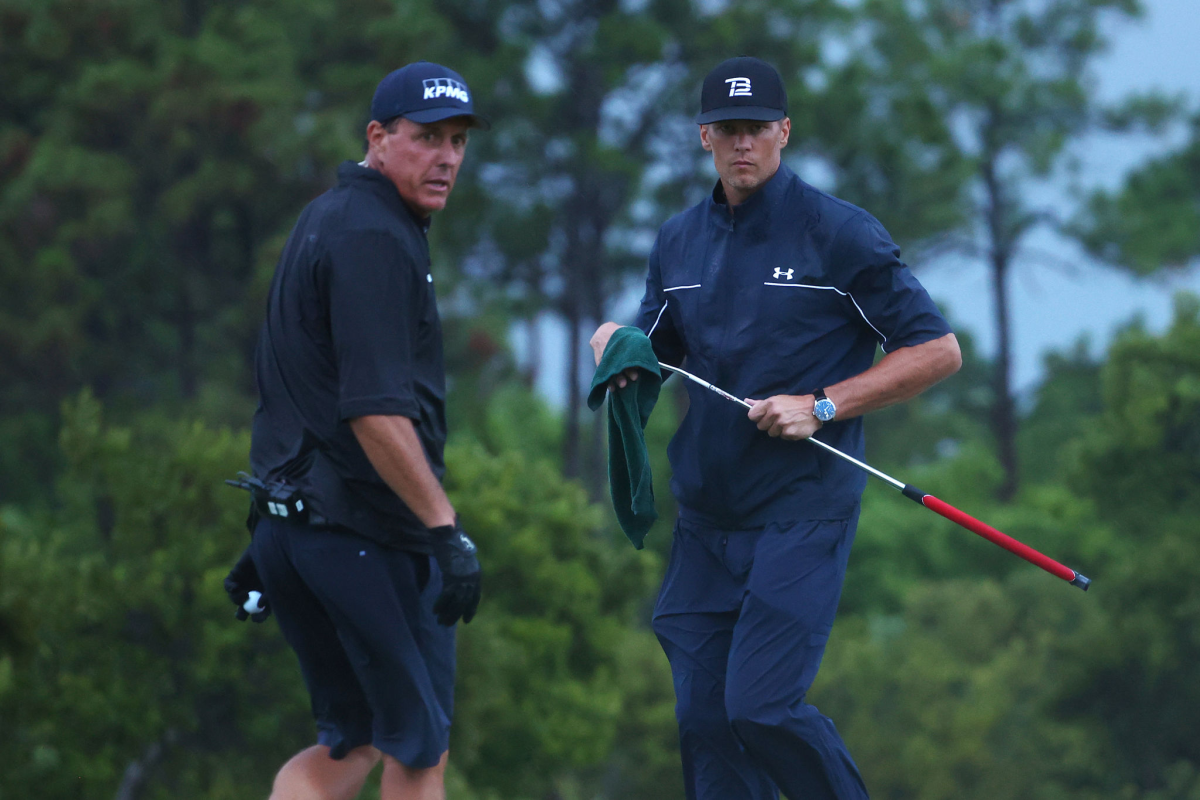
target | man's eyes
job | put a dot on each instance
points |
(753, 130)
(434, 137)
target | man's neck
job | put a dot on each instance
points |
(422, 216)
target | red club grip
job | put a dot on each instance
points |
(996, 537)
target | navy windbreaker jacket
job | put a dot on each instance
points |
(789, 293)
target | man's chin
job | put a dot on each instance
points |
(744, 182)
(427, 205)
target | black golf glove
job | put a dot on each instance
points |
(455, 555)
(242, 580)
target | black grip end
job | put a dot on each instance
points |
(1081, 581)
(913, 493)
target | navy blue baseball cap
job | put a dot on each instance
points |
(742, 88)
(424, 92)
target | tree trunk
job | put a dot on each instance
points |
(571, 465)
(193, 251)
(185, 326)
(533, 352)
(597, 476)
(1004, 416)
(138, 771)
(594, 298)
(193, 17)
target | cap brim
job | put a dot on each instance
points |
(427, 115)
(757, 113)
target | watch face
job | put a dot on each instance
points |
(824, 409)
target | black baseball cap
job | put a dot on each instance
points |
(424, 92)
(742, 88)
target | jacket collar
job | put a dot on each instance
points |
(757, 207)
(363, 177)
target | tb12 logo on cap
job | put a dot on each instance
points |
(739, 87)
(445, 87)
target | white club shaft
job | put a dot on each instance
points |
(817, 442)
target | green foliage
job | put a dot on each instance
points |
(1140, 462)
(1153, 222)
(152, 157)
(118, 644)
(994, 680)
(993, 91)
(955, 669)
(1139, 466)
(137, 656)
(1067, 405)
(541, 682)
(938, 423)
(956, 696)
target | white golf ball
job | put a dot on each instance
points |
(251, 605)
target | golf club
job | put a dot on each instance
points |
(932, 503)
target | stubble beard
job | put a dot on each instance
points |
(746, 183)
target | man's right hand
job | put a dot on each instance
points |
(599, 342)
(455, 555)
(242, 580)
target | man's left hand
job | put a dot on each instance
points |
(786, 416)
(455, 555)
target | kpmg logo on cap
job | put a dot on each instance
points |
(739, 87)
(445, 87)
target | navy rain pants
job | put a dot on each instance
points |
(744, 617)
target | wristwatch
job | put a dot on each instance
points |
(823, 409)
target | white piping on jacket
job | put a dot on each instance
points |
(839, 291)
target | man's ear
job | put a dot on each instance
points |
(375, 133)
(704, 142)
(785, 131)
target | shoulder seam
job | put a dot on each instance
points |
(842, 227)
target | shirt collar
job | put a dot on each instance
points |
(372, 180)
(757, 204)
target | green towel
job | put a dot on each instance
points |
(629, 476)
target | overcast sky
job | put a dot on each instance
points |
(1058, 293)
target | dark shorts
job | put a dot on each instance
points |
(379, 668)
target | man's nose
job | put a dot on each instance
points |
(450, 155)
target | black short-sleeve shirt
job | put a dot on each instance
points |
(352, 329)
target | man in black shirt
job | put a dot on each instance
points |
(349, 366)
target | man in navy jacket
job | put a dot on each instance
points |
(779, 293)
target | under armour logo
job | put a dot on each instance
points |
(739, 87)
(445, 87)
(786, 275)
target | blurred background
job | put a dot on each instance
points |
(1038, 161)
